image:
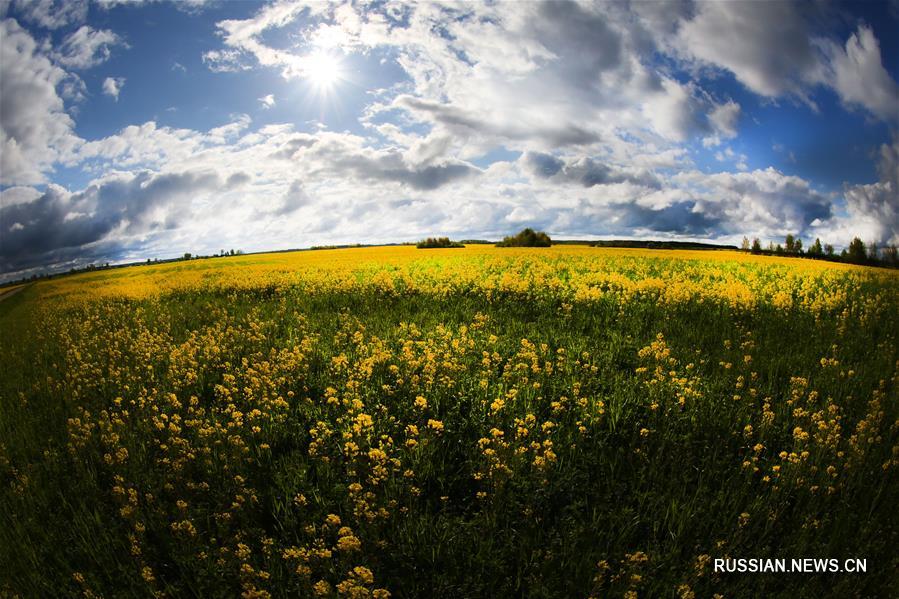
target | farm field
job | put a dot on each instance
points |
(477, 422)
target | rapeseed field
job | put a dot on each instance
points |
(479, 422)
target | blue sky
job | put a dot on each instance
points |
(147, 129)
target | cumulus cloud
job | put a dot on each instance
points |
(585, 171)
(576, 117)
(873, 209)
(35, 129)
(773, 49)
(87, 47)
(860, 78)
(764, 202)
(766, 45)
(463, 122)
(112, 86)
(724, 118)
(294, 198)
(472, 65)
(17, 195)
(390, 166)
(45, 228)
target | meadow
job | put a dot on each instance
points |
(479, 422)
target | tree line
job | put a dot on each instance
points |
(857, 252)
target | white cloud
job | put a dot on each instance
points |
(17, 195)
(267, 101)
(675, 112)
(596, 130)
(224, 61)
(860, 78)
(770, 47)
(57, 223)
(485, 75)
(35, 130)
(112, 86)
(52, 14)
(87, 47)
(728, 155)
(724, 118)
(766, 45)
(873, 209)
(188, 6)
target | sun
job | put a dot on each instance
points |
(323, 70)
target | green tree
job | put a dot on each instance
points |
(438, 242)
(815, 248)
(756, 246)
(828, 250)
(857, 253)
(790, 244)
(891, 255)
(526, 238)
(873, 252)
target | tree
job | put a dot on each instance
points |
(789, 244)
(745, 245)
(778, 249)
(828, 250)
(756, 246)
(857, 254)
(527, 238)
(187, 255)
(797, 247)
(891, 255)
(438, 242)
(815, 248)
(873, 253)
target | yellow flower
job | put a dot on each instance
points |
(349, 543)
(321, 588)
(364, 574)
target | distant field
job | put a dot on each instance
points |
(477, 422)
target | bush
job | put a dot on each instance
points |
(527, 238)
(438, 242)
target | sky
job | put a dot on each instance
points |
(147, 129)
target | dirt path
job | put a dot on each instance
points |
(11, 292)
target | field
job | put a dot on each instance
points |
(477, 422)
